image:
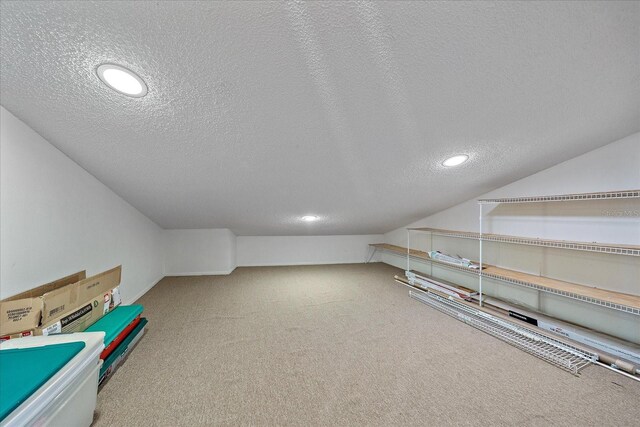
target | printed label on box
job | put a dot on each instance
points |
(18, 314)
(56, 328)
(78, 314)
(56, 310)
(116, 299)
(112, 299)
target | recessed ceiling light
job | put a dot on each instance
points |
(309, 218)
(122, 80)
(455, 160)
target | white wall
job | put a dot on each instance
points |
(303, 250)
(56, 219)
(199, 252)
(615, 166)
(219, 251)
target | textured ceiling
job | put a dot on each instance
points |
(258, 113)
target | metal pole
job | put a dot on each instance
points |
(408, 250)
(431, 249)
(618, 371)
(480, 273)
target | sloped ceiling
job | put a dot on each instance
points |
(258, 113)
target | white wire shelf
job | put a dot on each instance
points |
(626, 194)
(607, 248)
(613, 300)
(557, 353)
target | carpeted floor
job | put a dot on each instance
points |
(337, 345)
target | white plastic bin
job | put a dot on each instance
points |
(69, 397)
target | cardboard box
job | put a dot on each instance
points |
(40, 306)
(23, 334)
(84, 315)
(69, 298)
(22, 312)
(76, 320)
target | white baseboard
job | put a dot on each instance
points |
(202, 273)
(155, 282)
(285, 264)
(144, 291)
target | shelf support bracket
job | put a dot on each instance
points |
(370, 257)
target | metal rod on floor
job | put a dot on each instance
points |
(604, 365)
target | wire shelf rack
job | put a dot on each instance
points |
(566, 294)
(418, 256)
(555, 352)
(627, 194)
(630, 250)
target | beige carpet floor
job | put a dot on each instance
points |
(337, 345)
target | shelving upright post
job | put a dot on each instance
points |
(480, 261)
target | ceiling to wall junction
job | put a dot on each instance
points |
(259, 113)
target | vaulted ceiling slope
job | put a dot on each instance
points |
(259, 113)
